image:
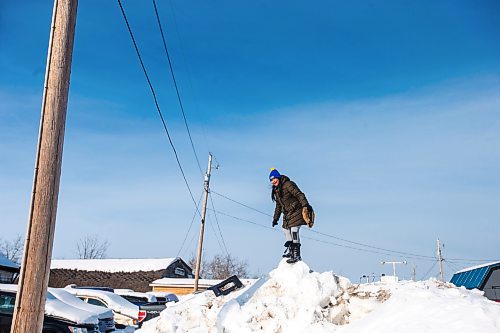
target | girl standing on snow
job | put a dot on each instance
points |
(296, 211)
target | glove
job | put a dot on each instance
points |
(308, 215)
(275, 223)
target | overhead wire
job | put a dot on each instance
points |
(241, 204)
(217, 221)
(190, 226)
(156, 102)
(416, 257)
(175, 84)
(452, 266)
(181, 105)
(430, 269)
(331, 236)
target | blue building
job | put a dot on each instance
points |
(484, 277)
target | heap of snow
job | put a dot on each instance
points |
(295, 299)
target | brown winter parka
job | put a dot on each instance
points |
(289, 200)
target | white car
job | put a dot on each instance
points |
(57, 309)
(106, 320)
(162, 296)
(135, 296)
(125, 313)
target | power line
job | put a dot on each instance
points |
(240, 203)
(190, 225)
(372, 247)
(331, 236)
(473, 260)
(215, 234)
(416, 257)
(430, 269)
(175, 84)
(218, 226)
(156, 102)
(452, 266)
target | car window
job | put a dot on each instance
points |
(97, 302)
(135, 300)
(7, 303)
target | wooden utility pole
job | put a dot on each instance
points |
(35, 266)
(202, 227)
(440, 260)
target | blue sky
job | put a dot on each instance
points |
(387, 115)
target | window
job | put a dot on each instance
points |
(7, 302)
(97, 302)
(179, 271)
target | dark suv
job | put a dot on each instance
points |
(50, 324)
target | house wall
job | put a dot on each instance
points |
(179, 290)
(178, 269)
(7, 277)
(492, 287)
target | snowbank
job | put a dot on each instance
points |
(294, 299)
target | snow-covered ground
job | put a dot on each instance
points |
(294, 299)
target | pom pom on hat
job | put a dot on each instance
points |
(274, 174)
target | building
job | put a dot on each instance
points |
(9, 270)
(181, 286)
(135, 274)
(186, 286)
(483, 277)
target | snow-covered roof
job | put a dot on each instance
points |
(113, 265)
(4, 261)
(183, 282)
(478, 266)
(190, 282)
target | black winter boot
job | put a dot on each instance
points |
(295, 253)
(288, 250)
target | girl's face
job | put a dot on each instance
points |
(275, 181)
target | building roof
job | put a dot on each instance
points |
(183, 282)
(113, 265)
(478, 266)
(474, 277)
(5, 262)
(190, 282)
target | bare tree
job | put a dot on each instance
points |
(13, 250)
(223, 266)
(192, 263)
(91, 247)
(220, 267)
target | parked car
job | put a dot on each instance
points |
(59, 317)
(125, 312)
(135, 297)
(162, 296)
(146, 302)
(105, 316)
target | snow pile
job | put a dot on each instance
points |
(294, 299)
(430, 306)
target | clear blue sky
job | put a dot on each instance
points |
(386, 114)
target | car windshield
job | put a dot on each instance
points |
(136, 300)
